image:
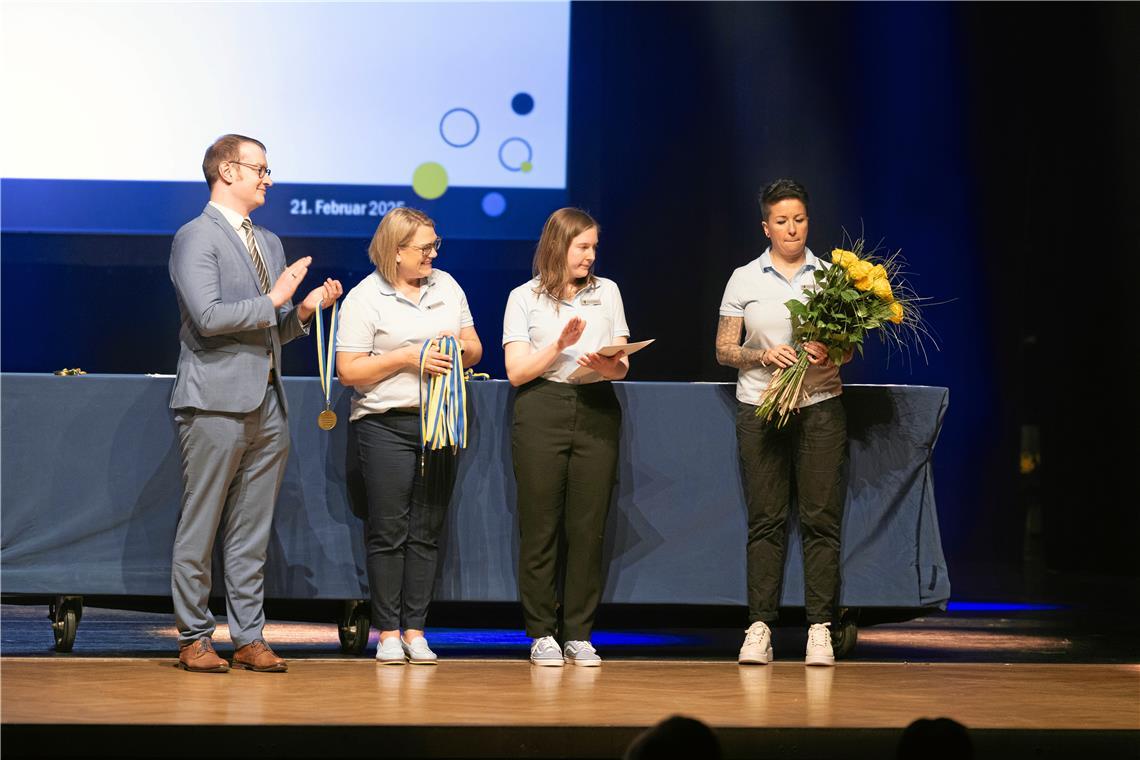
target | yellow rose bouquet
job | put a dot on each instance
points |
(859, 292)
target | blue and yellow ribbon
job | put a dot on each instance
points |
(325, 356)
(443, 416)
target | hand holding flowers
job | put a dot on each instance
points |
(858, 293)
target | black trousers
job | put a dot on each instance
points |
(809, 452)
(564, 441)
(406, 510)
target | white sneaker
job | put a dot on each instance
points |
(545, 651)
(390, 652)
(418, 652)
(757, 647)
(581, 653)
(819, 645)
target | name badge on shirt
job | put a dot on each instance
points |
(435, 305)
(592, 300)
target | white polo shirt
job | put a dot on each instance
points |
(531, 318)
(376, 319)
(758, 293)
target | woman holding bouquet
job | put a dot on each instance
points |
(386, 321)
(564, 436)
(808, 451)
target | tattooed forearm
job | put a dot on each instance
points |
(729, 352)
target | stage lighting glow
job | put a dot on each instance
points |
(491, 638)
(1001, 607)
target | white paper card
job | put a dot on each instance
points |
(584, 374)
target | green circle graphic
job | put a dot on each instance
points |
(429, 180)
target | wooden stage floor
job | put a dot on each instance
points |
(493, 708)
(620, 693)
(1058, 682)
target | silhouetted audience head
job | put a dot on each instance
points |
(678, 737)
(935, 739)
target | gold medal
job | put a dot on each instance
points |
(326, 420)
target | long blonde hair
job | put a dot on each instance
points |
(397, 228)
(549, 266)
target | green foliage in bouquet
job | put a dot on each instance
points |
(860, 292)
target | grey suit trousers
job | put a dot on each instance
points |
(232, 466)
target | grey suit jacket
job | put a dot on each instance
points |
(230, 333)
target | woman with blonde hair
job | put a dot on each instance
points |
(386, 321)
(564, 437)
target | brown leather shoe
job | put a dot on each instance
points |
(257, 656)
(199, 657)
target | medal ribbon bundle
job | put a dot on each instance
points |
(326, 420)
(443, 415)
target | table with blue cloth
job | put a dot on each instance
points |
(92, 485)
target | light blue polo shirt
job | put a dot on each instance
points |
(758, 293)
(532, 318)
(376, 319)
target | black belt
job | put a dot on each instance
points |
(403, 410)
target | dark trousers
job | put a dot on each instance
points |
(810, 449)
(564, 440)
(406, 509)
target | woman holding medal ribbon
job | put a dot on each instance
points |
(399, 328)
(564, 437)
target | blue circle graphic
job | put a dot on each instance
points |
(510, 141)
(456, 125)
(522, 104)
(494, 204)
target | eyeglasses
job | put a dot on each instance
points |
(262, 171)
(425, 250)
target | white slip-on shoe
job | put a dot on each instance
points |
(581, 653)
(819, 650)
(390, 652)
(545, 651)
(418, 652)
(757, 647)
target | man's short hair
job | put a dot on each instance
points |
(676, 736)
(225, 148)
(935, 739)
(781, 190)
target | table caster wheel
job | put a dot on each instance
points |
(65, 613)
(845, 634)
(354, 626)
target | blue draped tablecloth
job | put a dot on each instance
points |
(91, 487)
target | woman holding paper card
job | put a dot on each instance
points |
(385, 323)
(564, 437)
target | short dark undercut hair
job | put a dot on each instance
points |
(781, 190)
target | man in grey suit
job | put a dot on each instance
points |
(235, 295)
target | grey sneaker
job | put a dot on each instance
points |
(581, 653)
(418, 651)
(757, 647)
(390, 652)
(545, 651)
(819, 645)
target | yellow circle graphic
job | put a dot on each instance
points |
(429, 180)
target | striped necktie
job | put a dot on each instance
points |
(258, 262)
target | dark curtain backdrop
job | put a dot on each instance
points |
(994, 144)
